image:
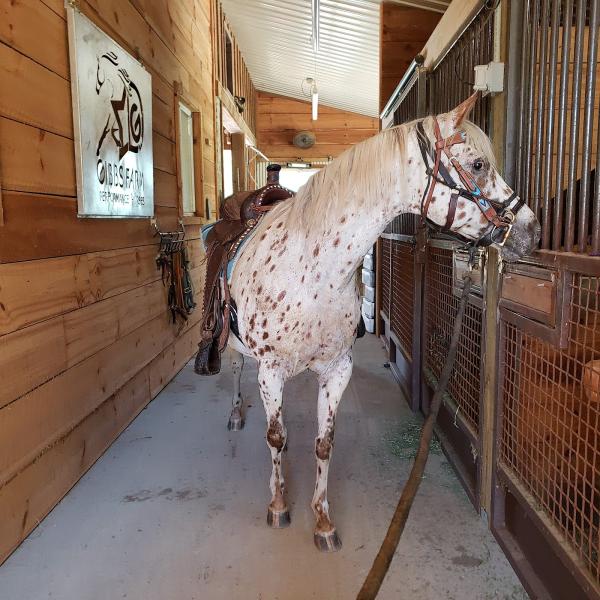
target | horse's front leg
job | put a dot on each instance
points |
(332, 383)
(236, 419)
(270, 382)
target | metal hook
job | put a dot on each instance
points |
(154, 223)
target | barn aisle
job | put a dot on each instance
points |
(175, 510)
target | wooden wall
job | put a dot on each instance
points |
(85, 338)
(280, 118)
(404, 32)
(242, 83)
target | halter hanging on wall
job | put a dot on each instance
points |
(174, 265)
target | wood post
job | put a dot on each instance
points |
(238, 153)
(492, 280)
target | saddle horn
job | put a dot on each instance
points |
(273, 173)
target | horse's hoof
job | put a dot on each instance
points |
(278, 518)
(236, 422)
(327, 541)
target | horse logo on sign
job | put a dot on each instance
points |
(125, 122)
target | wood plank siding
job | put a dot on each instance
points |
(85, 336)
(279, 118)
(404, 32)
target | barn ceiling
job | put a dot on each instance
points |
(275, 39)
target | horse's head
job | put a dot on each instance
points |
(465, 193)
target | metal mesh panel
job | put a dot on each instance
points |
(451, 81)
(386, 276)
(441, 307)
(558, 139)
(551, 421)
(403, 292)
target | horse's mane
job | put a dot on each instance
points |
(349, 181)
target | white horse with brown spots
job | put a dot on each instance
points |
(295, 286)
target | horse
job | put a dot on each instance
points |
(294, 283)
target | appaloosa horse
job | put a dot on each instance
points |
(294, 284)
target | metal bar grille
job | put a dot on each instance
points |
(405, 224)
(550, 436)
(403, 292)
(558, 144)
(441, 306)
(386, 276)
(408, 109)
(452, 80)
(448, 85)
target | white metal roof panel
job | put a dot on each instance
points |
(275, 39)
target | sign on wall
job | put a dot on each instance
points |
(112, 119)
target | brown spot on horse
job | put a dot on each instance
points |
(324, 444)
(275, 435)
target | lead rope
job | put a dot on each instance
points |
(381, 564)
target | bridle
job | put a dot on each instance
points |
(500, 216)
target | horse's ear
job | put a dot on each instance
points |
(462, 111)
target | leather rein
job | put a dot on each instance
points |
(500, 216)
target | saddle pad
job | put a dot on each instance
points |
(231, 264)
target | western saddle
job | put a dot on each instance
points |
(240, 213)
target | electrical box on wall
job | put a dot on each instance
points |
(489, 78)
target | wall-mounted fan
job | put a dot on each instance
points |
(304, 139)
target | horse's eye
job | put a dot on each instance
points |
(478, 165)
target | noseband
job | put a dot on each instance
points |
(500, 216)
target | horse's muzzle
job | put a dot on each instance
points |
(523, 239)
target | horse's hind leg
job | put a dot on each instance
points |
(271, 391)
(332, 384)
(236, 419)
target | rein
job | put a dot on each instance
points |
(500, 216)
(381, 564)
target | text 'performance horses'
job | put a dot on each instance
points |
(294, 287)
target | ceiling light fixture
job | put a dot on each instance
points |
(314, 93)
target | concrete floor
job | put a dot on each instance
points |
(175, 509)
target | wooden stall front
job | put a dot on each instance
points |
(85, 336)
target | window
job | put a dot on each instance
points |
(227, 173)
(186, 159)
(189, 159)
(228, 63)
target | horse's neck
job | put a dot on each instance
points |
(353, 227)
